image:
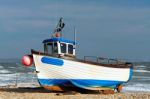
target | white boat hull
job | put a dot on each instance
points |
(55, 71)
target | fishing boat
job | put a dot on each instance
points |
(57, 67)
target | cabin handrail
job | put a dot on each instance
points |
(100, 59)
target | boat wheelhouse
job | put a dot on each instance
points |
(59, 47)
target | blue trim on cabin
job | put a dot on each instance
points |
(52, 61)
(82, 83)
(60, 40)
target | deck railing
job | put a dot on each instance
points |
(102, 60)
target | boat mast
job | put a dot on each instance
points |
(59, 27)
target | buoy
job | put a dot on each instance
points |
(57, 34)
(27, 60)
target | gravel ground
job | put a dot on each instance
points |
(38, 93)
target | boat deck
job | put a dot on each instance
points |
(97, 60)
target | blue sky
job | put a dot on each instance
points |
(108, 28)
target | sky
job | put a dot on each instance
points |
(106, 28)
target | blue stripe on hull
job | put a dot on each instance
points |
(52, 82)
(52, 61)
(90, 83)
(82, 83)
(131, 73)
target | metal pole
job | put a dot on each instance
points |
(75, 36)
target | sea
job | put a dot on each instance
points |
(13, 73)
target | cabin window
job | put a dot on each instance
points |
(63, 47)
(45, 48)
(55, 50)
(49, 48)
(70, 49)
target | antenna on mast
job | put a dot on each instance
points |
(75, 36)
